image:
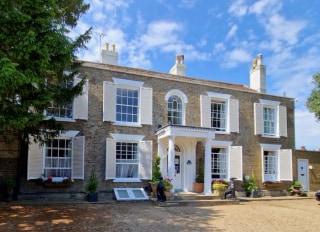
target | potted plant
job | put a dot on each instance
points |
(10, 184)
(156, 175)
(167, 182)
(248, 183)
(219, 187)
(198, 186)
(92, 188)
(296, 187)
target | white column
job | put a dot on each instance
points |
(171, 170)
(207, 168)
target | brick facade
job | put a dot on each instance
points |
(96, 130)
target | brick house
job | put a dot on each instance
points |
(127, 116)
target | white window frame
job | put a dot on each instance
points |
(130, 194)
(134, 163)
(36, 157)
(110, 102)
(280, 118)
(144, 154)
(225, 162)
(275, 149)
(231, 111)
(184, 101)
(50, 149)
(79, 105)
(234, 158)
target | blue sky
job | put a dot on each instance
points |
(219, 39)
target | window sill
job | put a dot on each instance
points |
(127, 124)
(127, 180)
(271, 136)
(62, 119)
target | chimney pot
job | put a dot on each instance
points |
(303, 148)
(254, 63)
(113, 47)
(182, 59)
(107, 46)
(259, 59)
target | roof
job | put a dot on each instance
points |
(166, 76)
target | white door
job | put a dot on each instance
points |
(303, 173)
(177, 180)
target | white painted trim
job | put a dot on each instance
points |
(127, 137)
(68, 134)
(132, 180)
(177, 92)
(131, 124)
(61, 119)
(119, 81)
(269, 102)
(221, 144)
(270, 147)
(131, 194)
(219, 95)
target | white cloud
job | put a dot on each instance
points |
(233, 57)
(232, 32)
(238, 8)
(280, 29)
(265, 7)
(307, 129)
(160, 33)
(187, 3)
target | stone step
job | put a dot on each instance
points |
(193, 199)
(194, 203)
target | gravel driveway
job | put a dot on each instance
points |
(284, 215)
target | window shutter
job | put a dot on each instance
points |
(205, 107)
(109, 102)
(78, 157)
(35, 161)
(258, 119)
(285, 164)
(110, 159)
(234, 115)
(145, 159)
(236, 162)
(283, 121)
(80, 103)
(146, 106)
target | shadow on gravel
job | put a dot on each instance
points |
(124, 216)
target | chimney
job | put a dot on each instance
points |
(179, 68)
(258, 75)
(109, 57)
(303, 148)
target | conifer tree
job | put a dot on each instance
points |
(35, 50)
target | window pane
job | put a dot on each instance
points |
(219, 163)
(175, 110)
(127, 106)
(218, 115)
(127, 160)
(58, 158)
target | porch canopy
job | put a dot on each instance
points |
(189, 135)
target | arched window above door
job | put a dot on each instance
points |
(176, 101)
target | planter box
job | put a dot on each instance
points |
(198, 187)
(92, 197)
(56, 185)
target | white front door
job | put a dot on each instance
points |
(177, 180)
(303, 173)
